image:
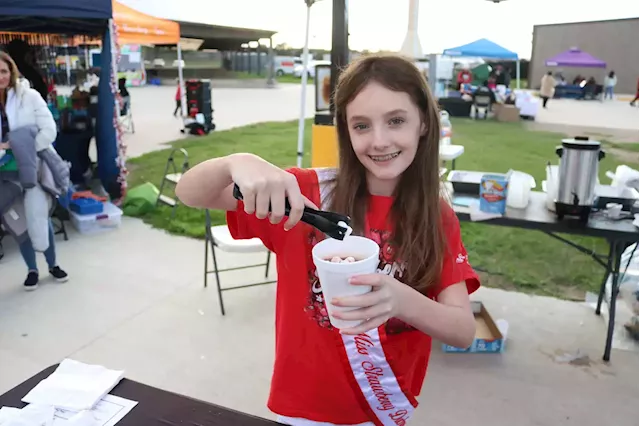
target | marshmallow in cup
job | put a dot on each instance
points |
(336, 262)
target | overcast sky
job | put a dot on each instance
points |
(381, 24)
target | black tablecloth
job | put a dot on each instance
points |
(456, 107)
(155, 406)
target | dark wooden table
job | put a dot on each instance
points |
(618, 233)
(155, 406)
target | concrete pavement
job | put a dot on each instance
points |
(610, 120)
(155, 126)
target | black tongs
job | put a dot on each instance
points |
(327, 222)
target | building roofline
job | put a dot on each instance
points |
(586, 22)
(262, 32)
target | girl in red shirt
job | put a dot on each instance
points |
(388, 183)
(178, 98)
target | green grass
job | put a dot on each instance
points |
(279, 79)
(630, 147)
(522, 260)
(275, 142)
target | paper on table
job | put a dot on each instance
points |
(109, 411)
(32, 415)
(7, 413)
(74, 386)
(477, 215)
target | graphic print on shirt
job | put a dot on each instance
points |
(316, 308)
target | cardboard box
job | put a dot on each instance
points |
(507, 113)
(491, 335)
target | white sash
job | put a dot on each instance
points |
(387, 403)
(382, 395)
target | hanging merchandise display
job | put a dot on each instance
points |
(122, 148)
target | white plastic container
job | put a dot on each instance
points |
(446, 129)
(520, 186)
(109, 219)
(551, 187)
(334, 277)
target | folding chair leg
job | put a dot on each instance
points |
(64, 230)
(266, 272)
(206, 261)
(215, 265)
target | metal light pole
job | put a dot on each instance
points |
(304, 76)
(411, 46)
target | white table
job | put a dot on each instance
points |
(450, 153)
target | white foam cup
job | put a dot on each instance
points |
(334, 277)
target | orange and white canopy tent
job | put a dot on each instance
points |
(138, 28)
(133, 28)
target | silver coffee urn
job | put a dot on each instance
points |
(577, 177)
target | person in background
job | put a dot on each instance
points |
(124, 94)
(490, 82)
(589, 88)
(178, 100)
(500, 76)
(633, 102)
(547, 88)
(559, 75)
(464, 77)
(23, 56)
(19, 107)
(507, 77)
(609, 83)
(485, 89)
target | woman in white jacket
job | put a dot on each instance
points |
(22, 106)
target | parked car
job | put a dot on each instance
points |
(311, 68)
(285, 65)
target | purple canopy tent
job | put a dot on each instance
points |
(575, 57)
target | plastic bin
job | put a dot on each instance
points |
(109, 219)
(84, 206)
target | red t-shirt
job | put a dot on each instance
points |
(309, 378)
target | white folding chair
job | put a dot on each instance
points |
(450, 153)
(126, 116)
(219, 237)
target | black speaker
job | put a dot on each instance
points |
(199, 101)
(199, 91)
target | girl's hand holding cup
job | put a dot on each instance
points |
(374, 308)
(264, 188)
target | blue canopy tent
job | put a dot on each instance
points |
(78, 17)
(486, 49)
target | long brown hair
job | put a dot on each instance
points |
(418, 236)
(13, 68)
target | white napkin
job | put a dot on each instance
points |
(478, 215)
(31, 415)
(7, 413)
(74, 386)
